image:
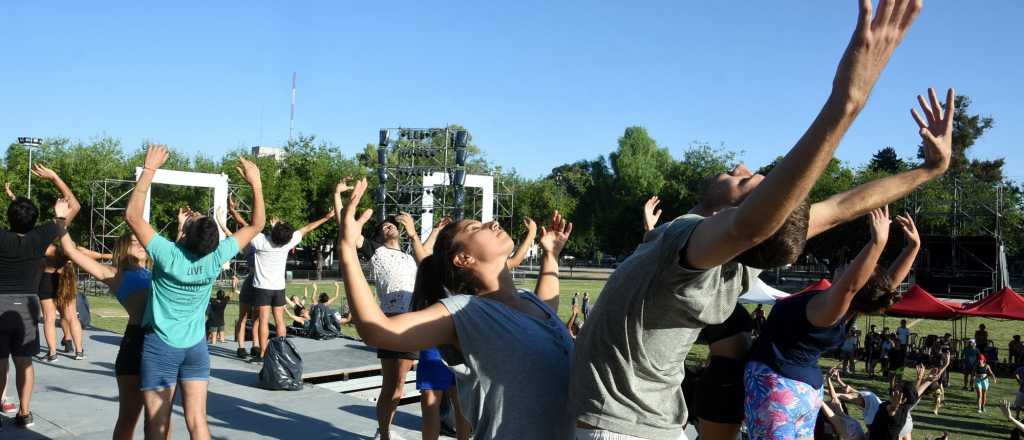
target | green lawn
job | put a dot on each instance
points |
(958, 416)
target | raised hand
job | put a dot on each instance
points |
(405, 219)
(530, 225)
(352, 226)
(651, 213)
(62, 208)
(554, 237)
(936, 129)
(879, 222)
(250, 172)
(231, 203)
(43, 172)
(156, 156)
(184, 213)
(877, 35)
(7, 189)
(445, 221)
(219, 212)
(906, 223)
(343, 185)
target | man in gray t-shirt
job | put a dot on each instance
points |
(641, 329)
(628, 365)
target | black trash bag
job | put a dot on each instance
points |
(84, 312)
(322, 323)
(282, 366)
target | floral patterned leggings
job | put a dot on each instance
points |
(779, 408)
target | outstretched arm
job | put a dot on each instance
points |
(156, 155)
(65, 192)
(524, 247)
(337, 293)
(251, 173)
(721, 237)
(923, 385)
(7, 190)
(1005, 407)
(411, 331)
(552, 240)
(936, 130)
(432, 238)
(827, 309)
(305, 230)
(224, 229)
(102, 272)
(905, 261)
(232, 209)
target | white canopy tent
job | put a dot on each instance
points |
(761, 293)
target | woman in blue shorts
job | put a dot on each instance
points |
(433, 379)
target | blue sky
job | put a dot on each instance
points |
(538, 83)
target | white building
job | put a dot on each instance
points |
(276, 152)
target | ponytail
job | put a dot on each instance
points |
(437, 277)
(67, 288)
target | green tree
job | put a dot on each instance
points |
(887, 160)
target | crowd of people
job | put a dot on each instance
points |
(616, 370)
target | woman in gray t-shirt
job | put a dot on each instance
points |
(513, 379)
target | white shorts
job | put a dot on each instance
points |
(871, 404)
(600, 434)
(908, 427)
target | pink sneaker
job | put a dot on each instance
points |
(8, 407)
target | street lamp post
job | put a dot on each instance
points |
(30, 143)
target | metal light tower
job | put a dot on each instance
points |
(30, 143)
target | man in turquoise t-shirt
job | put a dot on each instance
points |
(181, 289)
(174, 348)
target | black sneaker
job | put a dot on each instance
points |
(24, 421)
(254, 352)
(256, 359)
(69, 347)
(50, 358)
(79, 355)
(241, 353)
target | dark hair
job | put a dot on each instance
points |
(220, 293)
(323, 297)
(22, 215)
(378, 229)
(281, 234)
(201, 236)
(437, 276)
(877, 294)
(784, 246)
(707, 197)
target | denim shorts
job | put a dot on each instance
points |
(163, 366)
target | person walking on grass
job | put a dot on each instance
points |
(174, 347)
(983, 376)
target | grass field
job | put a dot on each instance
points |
(958, 416)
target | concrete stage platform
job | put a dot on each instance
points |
(78, 399)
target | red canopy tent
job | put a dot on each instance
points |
(1005, 304)
(917, 303)
(822, 284)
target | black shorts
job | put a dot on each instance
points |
(720, 392)
(129, 357)
(264, 297)
(245, 296)
(19, 321)
(388, 354)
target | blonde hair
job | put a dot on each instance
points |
(123, 258)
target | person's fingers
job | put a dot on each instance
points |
(927, 109)
(936, 107)
(910, 14)
(950, 105)
(898, 12)
(884, 12)
(917, 118)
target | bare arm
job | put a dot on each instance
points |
(251, 173)
(552, 240)
(65, 192)
(101, 272)
(432, 238)
(827, 309)
(905, 261)
(232, 209)
(720, 238)
(411, 331)
(651, 213)
(7, 190)
(418, 252)
(305, 230)
(1005, 407)
(936, 131)
(524, 247)
(923, 385)
(156, 155)
(337, 293)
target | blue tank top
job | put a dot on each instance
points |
(791, 345)
(133, 282)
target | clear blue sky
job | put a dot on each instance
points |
(538, 83)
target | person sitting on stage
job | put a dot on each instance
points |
(175, 350)
(471, 307)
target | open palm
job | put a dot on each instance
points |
(554, 236)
